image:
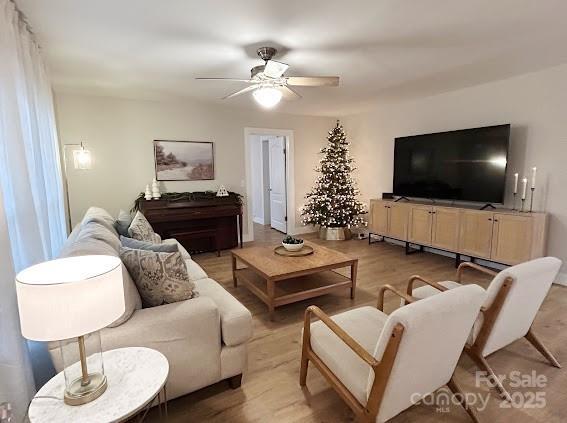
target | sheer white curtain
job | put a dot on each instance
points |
(30, 183)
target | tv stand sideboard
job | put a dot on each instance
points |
(500, 235)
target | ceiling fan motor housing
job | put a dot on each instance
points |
(266, 53)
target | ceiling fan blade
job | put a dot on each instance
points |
(313, 81)
(227, 79)
(240, 92)
(289, 93)
(275, 69)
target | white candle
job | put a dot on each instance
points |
(524, 187)
(515, 183)
(533, 176)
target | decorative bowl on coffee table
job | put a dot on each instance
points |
(292, 244)
(292, 247)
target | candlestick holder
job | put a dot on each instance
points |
(532, 199)
(514, 201)
(522, 206)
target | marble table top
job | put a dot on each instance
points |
(135, 375)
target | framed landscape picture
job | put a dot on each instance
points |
(184, 160)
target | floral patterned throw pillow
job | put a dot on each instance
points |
(161, 278)
(141, 229)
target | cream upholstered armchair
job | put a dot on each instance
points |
(512, 301)
(379, 364)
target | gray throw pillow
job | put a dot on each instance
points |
(161, 278)
(123, 222)
(141, 229)
(150, 246)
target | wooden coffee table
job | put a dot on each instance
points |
(279, 280)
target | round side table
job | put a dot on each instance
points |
(136, 377)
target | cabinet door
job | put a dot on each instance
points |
(445, 231)
(379, 218)
(476, 233)
(398, 226)
(512, 239)
(420, 225)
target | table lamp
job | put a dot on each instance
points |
(70, 300)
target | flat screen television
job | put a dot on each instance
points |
(463, 165)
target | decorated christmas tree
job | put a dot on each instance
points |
(332, 202)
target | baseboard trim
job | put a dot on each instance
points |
(258, 220)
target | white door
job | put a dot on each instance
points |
(277, 184)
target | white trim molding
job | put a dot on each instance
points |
(290, 177)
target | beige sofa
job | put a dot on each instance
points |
(204, 338)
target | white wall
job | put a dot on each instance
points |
(119, 132)
(535, 104)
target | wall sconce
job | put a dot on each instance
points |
(82, 160)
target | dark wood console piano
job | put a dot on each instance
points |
(207, 224)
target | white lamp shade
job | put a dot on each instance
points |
(267, 97)
(69, 297)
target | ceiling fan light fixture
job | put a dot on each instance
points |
(267, 96)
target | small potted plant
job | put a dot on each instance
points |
(292, 244)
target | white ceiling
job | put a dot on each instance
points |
(381, 49)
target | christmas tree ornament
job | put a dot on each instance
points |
(148, 194)
(222, 192)
(155, 190)
(332, 203)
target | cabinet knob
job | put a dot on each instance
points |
(496, 220)
(490, 219)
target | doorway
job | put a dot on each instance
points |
(268, 183)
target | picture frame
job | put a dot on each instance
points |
(184, 160)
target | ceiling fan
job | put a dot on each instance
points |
(268, 83)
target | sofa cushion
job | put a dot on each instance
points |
(149, 246)
(194, 271)
(122, 223)
(161, 278)
(92, 246)
(96, 214)
(180, 247)
(71, 239)
(236, 320)
(96, 230)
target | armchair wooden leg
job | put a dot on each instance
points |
(483, 365)
(461, 397)
(305, 347)
(534, 340)
(303, 369)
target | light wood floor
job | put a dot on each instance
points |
(270, 391)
